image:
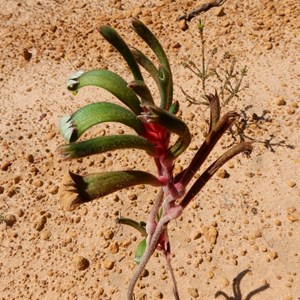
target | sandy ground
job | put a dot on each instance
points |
(254, 211)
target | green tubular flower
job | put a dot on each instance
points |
(115, 39)
(72, 127)
(174, 108)
(165, 87)
(105, 143)
(109, 81)
(152, 42)
(146, 63)
(156, 47)
(141, 89)
(96, 185)
(161, 77)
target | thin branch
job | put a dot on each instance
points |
(212, 169)
(211, 140)
(203, 8)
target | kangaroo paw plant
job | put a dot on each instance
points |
(154, 122)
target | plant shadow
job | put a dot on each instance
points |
(236, 288)
(238, 132)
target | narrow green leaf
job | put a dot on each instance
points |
(105, 143)
(140, 250)
(115, 39)
(139, 226)
(96, 185)
(72, 127)
(109, 81)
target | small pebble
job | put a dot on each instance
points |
(195, 235)
(30, 158)
(211, 234)
(220, 11)
(193, 292)
(80, 263)
(37, 183)
(20, 212)
(114, 248)
(273, 255)
(108, 234)
(183, 25)
(132, 196)
(280, 101)
(224, 282)
(10, 219)
(108, 264)
(26, 54)
(290, 110)
(291, 183)
(5, 165)
(157, 295)
(268, 46)
(40, 223)
(54, 190)
(293, 217)
(277, 222)
(291, 209)
(210, 274)
(45, 235)
(222, 173)
(11, 192)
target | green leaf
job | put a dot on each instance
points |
(96, 185)
(115, 39)
(139, 226)
(140, 250)
(105, 143)
(109, 81)
(72, 127)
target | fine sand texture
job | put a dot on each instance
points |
(238, 239)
